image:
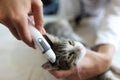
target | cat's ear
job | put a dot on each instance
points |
(51, 38)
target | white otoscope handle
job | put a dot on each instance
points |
(41, 43)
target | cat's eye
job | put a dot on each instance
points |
(71, 42)
(71, 56)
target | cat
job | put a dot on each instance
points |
(68, 53)
(67, 48)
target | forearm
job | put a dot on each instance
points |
(106, 49)
(96, 63)
(107, 52)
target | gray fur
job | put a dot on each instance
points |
(67, 53)
(62, 28)
(66, 48)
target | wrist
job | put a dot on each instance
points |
(93, 64)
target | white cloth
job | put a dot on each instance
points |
(69, 8)
(109, 28)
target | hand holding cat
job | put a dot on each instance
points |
(92, 64)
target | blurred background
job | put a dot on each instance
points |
(20, 62)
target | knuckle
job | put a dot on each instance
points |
(16, 17)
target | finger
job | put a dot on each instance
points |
(10, 26)
(14, 32)
(37, 10)
(21, 24)
(61, 73)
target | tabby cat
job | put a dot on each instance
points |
(67, 48)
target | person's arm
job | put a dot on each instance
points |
(108, 36)
(109, 29)
(14, 15)
(96, 63)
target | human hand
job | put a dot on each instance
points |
(14, 14)
(93, 63)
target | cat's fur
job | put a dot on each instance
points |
(62, 29)
(67, 48)
(68, 53)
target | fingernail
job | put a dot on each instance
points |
(42, 30)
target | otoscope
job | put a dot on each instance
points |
(41, 43)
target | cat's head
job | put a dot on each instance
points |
(68, 53)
